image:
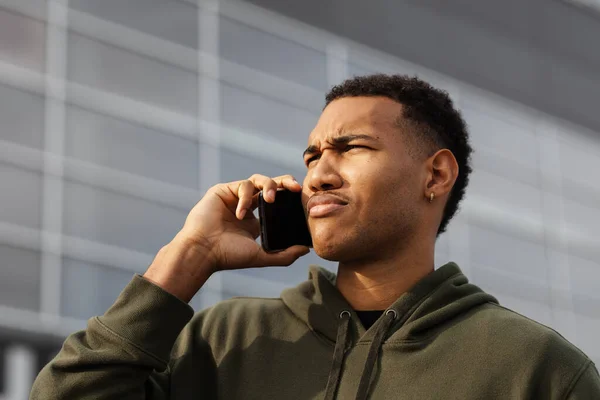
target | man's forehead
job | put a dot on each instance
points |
(366, 115)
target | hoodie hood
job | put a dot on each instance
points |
(437, 298)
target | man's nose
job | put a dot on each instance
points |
(324, 175)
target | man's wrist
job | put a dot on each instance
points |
(180, 268)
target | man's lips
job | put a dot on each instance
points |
(323, 204)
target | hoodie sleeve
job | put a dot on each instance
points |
(587, 384)
(123, 354)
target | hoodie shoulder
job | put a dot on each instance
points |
(245, 318)
(532, 348)
(239, 310)
(221, 333)
(510, 325)
(241, 305)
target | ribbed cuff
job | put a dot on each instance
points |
(148, 316)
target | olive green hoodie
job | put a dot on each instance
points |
(443, 339)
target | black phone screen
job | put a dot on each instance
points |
(283, 223)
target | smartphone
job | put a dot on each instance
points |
(283, 223)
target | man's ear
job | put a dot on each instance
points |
(442, 173)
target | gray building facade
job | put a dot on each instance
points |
(116, 116)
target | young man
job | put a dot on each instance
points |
(388, 163)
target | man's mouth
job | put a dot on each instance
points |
(325, 209)
(323, 205)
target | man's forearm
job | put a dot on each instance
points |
(180, 268)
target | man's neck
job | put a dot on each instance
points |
(376, 285)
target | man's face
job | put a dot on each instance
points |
(376, 178)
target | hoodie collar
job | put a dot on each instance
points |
(438, 297)
(317, 302)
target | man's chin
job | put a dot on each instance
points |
(333, 242)
(328, 256)
(330, 250)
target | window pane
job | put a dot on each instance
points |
(262, 51)
(21, 196)
(504, 285)
(235, 166)
(500, 165)
(119, 220)
(585, 275)
(132, 148)
(574, 160)
(176, 21)
(90, 289)
(582, 219)
(506, 194)
(253, 112)
(19, 278)
(22, 41)
(119, 71)
(497, 127)
(587, 334)
(498, 252)
(22, 116)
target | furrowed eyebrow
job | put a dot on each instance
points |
(338, 141)
(310, 150)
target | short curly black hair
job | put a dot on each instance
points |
(437, 123)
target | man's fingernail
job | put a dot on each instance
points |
(242, 213)
(271, 194)
(298, 183)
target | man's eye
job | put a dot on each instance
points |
(346, 148)
(352, 146)
(311, 160)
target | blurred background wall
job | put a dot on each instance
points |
(117, 115)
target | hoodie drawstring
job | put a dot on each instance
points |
(338, 356)
(339, 353)
(378, 338)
